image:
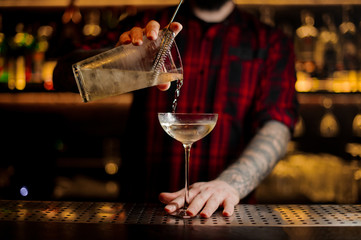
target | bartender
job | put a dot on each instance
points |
(234, 66)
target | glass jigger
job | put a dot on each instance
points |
(187, 128)
(127, 68)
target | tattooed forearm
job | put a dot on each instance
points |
(258, 159)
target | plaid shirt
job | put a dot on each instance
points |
(240, 69)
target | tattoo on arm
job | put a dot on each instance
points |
(258, 159)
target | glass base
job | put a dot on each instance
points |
(181, 213)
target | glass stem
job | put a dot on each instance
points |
(187, 149)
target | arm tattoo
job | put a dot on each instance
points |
(258, 159)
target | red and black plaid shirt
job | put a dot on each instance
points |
(240, 69)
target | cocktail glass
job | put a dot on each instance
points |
(187, 128)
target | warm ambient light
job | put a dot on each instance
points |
(111, 168)
(340, 82)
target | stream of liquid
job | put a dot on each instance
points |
(176, 94)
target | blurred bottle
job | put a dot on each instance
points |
(92, 24)
(267, 15)
(329, 125)
(305, 42)
(347, 77)
(328, 49)
(349, 41)
(20, 73)
(20, 63)
(28, 51)
(3, 56)
(356, 123)
(38, 55)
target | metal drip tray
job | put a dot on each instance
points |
(153, 214)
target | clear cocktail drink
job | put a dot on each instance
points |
(187, 128)
(127, 68)
(111, 82)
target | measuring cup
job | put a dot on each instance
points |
(126, 68)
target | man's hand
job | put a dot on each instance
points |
(205, 197)
(151, 30)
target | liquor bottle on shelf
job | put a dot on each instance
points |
(350, 61)
(267, 15)
(358, 33)
(3, 57)
(305, 41)
(38, 55)
(328, 49)
(329, 125)
(348, 40)
(20, 68)
(44, 63)
(356, 123)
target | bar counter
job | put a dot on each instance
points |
(52, 220)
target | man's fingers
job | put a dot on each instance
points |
(166, 197)
(164, 86)
(136, 35)
(198, 202)
(124, 39)
(152, 30)
(175, 204)
(211, 206)
(205, 197)
(228, 207)
(176, 27)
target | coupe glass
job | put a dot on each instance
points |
(187, 128)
